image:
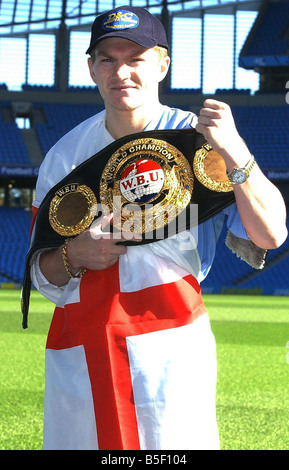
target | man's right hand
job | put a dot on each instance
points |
(94, 249)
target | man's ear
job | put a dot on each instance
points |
(91, 71)
(164, 67)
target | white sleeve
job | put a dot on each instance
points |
(39, 281)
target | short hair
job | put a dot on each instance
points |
(162, 52)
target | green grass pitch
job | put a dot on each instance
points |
(252, 337)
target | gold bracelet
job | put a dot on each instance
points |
(65, 262)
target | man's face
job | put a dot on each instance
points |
(127, 74)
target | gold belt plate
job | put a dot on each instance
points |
(71, 210)
(147, 183)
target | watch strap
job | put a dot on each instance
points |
(246, 169)
(250, 164)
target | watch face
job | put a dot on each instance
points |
(238, 176)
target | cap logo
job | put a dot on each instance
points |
(120, 19)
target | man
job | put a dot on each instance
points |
(130, 355)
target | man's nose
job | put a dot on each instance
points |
(122, 71)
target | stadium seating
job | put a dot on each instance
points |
(273, 280)
(14, 241)
(229, 271)
(268, 36)
(265, 129)
(267, 46)
(27, 87)
(12, 148)
(60, 118)
(233, 91)
(82, 89)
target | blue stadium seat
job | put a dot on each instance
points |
(228, 270)
(14, 240)
(267, 46)
(12, 147)
(265, 129)
(61, 118)
(273, 280)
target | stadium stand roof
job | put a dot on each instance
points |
(28, 15)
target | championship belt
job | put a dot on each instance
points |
(149, 180)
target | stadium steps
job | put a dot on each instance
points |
(33, 154)
(7, 115)
(277, 259)
(33, 146)
(14, 241)
(5, 278)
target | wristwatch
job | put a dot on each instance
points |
(240, 175)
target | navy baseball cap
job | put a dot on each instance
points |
(133, 23)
